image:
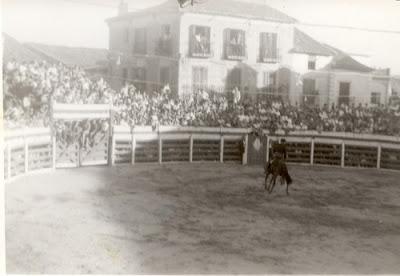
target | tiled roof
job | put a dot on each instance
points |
(83, 57)
(231, 8)
(305, 44)
(345, 62)
(14, 50)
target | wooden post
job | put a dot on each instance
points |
(267, 149)
(133, 148)
(159, 149)
(111, 139)
(378, 158)
(191, 149)
(111, 157)
(8, 161)
(221, 149)
(312, 152)
(245, 154)
(342, 156)
(54, 149)
(26, 155)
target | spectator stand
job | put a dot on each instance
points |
(82, 134)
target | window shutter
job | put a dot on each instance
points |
(274, 45)
(226, 39)
(244, 44)
(191, 39)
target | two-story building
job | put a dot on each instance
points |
(219, 45)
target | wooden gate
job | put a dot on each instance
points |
(86, 135)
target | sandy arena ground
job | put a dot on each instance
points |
(203, 218)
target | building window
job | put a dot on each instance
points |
(268, 47)
(235, 44)
(139, 78)
(124, 76)
(312, 60)
(126, 35)
(234, 79)
(140, 46)
(310, 94)
(199, 78)
(164, 47)
(164, 76)
(199, 41)
(269, 82)
(375, 98)
(344, 93)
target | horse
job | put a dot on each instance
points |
(276, 168)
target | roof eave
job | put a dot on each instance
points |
(294, 51)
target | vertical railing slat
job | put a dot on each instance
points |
(378, 158)
(342, 155)
(221, 149)
(133, 148)
(160, 146)
(9, 161)
(312, 151)
(54, 151)
(26, 155)
(267, 149)
(245, 155)
(191, 149)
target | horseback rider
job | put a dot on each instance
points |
(280, 155)
(279, 150)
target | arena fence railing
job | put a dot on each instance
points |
(34, 149)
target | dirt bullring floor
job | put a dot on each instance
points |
(203, 218)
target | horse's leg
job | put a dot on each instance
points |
(272, 185)
(287, 188)
(266, 181)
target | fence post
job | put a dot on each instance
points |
(312, 152)
(111, 148)
(221, 149)
(26, 155)
(133, 149)
(159, 149)
(111, 139)
(8, 161)
(342, 155)
(54, 148)
(191, 149)
(245, 154)
(378, 158)
(267, 149)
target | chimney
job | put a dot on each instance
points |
(122, 8)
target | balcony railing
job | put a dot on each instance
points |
(201, 50)
(270, 57)
(235, 51)
(164, 47)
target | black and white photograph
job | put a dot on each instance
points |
(176, 137)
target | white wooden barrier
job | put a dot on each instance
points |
(33, 149)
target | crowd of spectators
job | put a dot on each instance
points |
(31, 87)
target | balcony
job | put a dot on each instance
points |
(268, 56)
(164, 47)
(201, 49)
(235, 52)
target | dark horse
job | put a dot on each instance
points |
(274, 169)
